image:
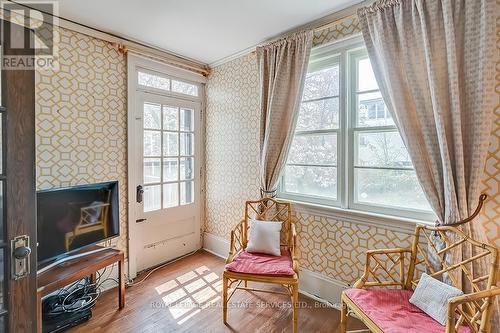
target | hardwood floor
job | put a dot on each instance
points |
(194, 286)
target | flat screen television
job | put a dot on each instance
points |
(72, 218)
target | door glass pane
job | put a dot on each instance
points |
(187, 120)
(187, 168)
(152, 171)
(187, 144)
(184, 88)
(170, 144)
(152, 143)
(152, 116)
(170, 169)
(152, 198)
(170, 118)
(153, 81)
(170, 195)
(187, 192)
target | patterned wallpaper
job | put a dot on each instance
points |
(326, 245)
(232, 142)
(81, 118)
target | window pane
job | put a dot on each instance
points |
(187, 193)
(187, 144)
(366, 78)
(184, 88)
(381, 149)
(170, 169)
(152, 171)
(152, 198)
(186, 168)
(322, 83)
(170, 118)
(187, 120)
(153, 81)
(372, 111)
(170, 195)
(322, 114)
(152, 116)
(311, 180)
(394, 188)
(314, 149)
(170, 144)
(152, 143)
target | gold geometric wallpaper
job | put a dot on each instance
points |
(232, 142)
(328, 246)
(81, 118)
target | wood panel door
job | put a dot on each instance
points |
(17, 192)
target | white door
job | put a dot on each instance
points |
(167, 202)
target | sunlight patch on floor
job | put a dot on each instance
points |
(188, 294)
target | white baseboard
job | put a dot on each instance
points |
(317, 286)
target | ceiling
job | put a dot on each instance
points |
(204, 30)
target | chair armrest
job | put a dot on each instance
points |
(471, 299)
(392, 263)
(293, 250)
(237, 239)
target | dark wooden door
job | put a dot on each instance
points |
(17, 191)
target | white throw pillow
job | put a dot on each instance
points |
(432, 296)
(264, 237)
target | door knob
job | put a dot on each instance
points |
(139, 193)
(22, 252)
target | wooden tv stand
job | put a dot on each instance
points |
(70, 271)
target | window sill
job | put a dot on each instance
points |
(394, 223)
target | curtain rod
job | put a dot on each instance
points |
(132, 45)
(316, 29)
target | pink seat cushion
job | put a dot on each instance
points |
(262, 264)
(392, 312)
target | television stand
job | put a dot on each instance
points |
(77, 268)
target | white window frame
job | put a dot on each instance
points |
(347, 51)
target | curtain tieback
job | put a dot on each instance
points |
(269, 194)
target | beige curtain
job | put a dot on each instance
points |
(282, 68)
(435, 61)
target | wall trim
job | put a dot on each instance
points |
(319, 287)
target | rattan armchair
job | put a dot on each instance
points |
(266, 209)
(388, 268)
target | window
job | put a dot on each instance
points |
(168, 156)
(156, 81)
(346, 149)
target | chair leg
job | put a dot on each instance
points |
(295, 299)
(224, 299)
(343, 318)
(246, 283)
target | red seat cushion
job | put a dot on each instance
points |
(262, 264)
(392, 312)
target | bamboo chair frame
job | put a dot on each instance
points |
(266, 209)
(386, 268)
